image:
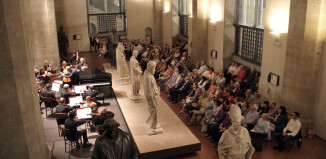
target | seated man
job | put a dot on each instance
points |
(207, 105)
(182, 90)
(62, 108)
(99, 119)
(251, 118)
(72, 125)
(114, 143)
(91, 92)
(289, 132)
(47, 93)
(66, 94)
(82, 65)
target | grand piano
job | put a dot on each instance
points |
(99, 79)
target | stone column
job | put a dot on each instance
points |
(305, 36)
(199, 30)
(21, 129)
(229, 33)
(45, 32)
(158, 22)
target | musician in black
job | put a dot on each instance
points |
(91, 92)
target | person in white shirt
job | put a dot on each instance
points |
(220, 79)
(202, 68)
(289, 132)
(206, 72)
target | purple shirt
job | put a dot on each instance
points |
(226, 123)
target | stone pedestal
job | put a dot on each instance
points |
(21, 129)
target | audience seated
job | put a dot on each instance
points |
(251, 118)
(289, 132)
(278, 123)
(206, 104)
(272, 110)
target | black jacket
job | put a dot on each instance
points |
(280, 123)
(62, 109)
(99, 119)
(72, 126)
(64, 94)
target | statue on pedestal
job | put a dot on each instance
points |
(122, 67)
(135, 72)
(235, 141)
(151, 92)
(63, 44)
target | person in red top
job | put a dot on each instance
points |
(242, 74)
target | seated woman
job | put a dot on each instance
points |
(279, 123)
(202, 83)
(195, 105)
(43, 77)
(261, 126)
(212, 88)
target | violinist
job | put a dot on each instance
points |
(71, 76)
(66, 94)
(66, 79)
(64, 66)
(43, 77)
(47, 67)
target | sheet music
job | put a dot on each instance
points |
(80, 89)
(84, 113)
(58, 81)
(56, 86)
(75, 100)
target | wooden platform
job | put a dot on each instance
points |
(176, 139)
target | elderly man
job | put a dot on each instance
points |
(272, 110)
(66, 94)
(251, 118)
(82, 65)
(114, 143)
(208, 105)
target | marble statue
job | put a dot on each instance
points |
(122, 67)
(114, 143)
(235, 141)
(135, 74)
(112, 46)
(152, 93)
(63, 44)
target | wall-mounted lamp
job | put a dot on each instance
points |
(277, 41)
(166, 7)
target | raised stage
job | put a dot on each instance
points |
(176, 139)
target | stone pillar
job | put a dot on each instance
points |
(44, 25)
(305, 36)
(259, 13)
(241, 17)
(175, 19)
(199, 30)
(229, 33)
(158, 22)
(21, 129)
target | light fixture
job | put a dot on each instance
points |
(166, 7)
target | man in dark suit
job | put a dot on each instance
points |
(66, 94)
(91, 92)
(182, 90)
(47, 93)
(62, 108)
(105, 114)
(72, 125)
(73, 75)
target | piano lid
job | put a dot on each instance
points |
(94, 74)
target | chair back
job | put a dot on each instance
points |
(48, 101)
(60, 115)
(66, 133)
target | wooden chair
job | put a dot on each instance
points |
(59, 116)
(68, 139)
(297, 138)
(48, 101)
